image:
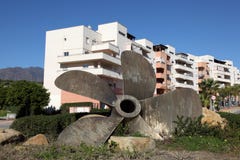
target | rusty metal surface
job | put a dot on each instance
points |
(94, 130)
(86, 84)
(159, 112)
(138, 75)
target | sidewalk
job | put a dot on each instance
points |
(235, 110)
(5, 123)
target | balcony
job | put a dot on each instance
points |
(161, 75)
(222, 72)
(80, 58)
(97, 71)
(184, 76)
(160, 65)
(183, 85)
(161, 86)
(222, 80)
(185, 60)
(182, 67)
(106, 48)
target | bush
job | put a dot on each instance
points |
(3, 113)
(233, 119)
(50, 126)
(193, 127)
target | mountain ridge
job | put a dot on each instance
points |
(20, 73)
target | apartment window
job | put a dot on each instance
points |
(160, 80)
(94, 41)
(148, 47)
(160, 91)
(121, 33)
(160, 70)
(85, 66)
(88, 40)
(169, 67)
(66, 53)
(168, 77)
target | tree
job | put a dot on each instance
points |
(208, 87)
(229, 94)
(28, 98)
(4, 84)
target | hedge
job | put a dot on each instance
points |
(50, 126)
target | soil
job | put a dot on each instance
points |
(10, 152)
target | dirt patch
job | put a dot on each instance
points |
(52, 152)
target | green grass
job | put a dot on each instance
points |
(197, 143)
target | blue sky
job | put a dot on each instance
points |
(198, 27)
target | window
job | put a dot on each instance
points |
(160, 70)
(148, 47)
(65, 39)
(66, 53)
(85, 66)
(88, 40)
(121, 33)
(94, 41)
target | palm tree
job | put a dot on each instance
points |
(208, 87)
(229, 93)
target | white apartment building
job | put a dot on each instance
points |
(236, 74)
(221, 71)
(97, 52)
(183, 70)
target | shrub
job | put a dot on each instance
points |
(193, 127)
(233, 119)
(3, 113)
(51, 126)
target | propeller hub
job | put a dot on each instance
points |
(127, 106)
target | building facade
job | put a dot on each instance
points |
(97, 52)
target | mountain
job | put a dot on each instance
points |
(18, 73)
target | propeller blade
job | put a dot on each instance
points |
(86, 84)
(159, 112)
(138, 75)
(91, 130)
(139, 125)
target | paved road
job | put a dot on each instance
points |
(5, 123)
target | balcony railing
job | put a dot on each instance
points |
(182, 67)
(184, 85)
(105, 47)
(97, 71)
(88, 57)
(161, 86)
(185, 77)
